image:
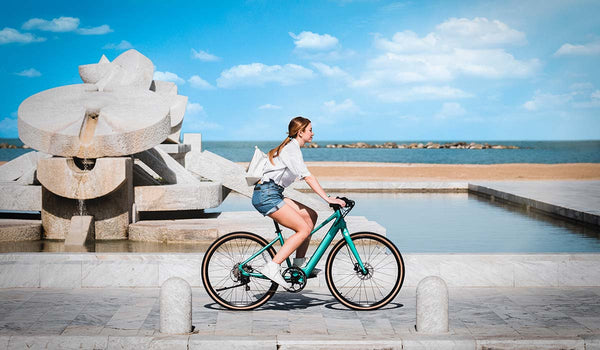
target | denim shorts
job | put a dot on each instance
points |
(267, 197)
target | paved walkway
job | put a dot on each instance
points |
(476, 313)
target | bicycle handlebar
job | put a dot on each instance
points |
(349, 204)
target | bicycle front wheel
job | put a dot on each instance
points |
(223, 279)
(359, 291)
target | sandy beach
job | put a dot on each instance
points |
(364, 171)
(359, 171)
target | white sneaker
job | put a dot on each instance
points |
(272, 271)
(301, 263)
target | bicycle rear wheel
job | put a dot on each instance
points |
(385, 272)
(221, 276)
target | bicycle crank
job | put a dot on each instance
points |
(296, 278)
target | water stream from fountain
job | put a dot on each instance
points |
(88, 127)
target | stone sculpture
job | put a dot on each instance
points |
(108, 148)
(92, 130)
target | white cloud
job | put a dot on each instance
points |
(596, 95)
(64, 24)
(479, 32)
(460, 46)
(194, 108)
(10, 35)
(407, 41)
(457, 47)
(258, 74)
(100, 30)
(331, 72)
(455, 32)
(123, 45)
(347, 106)
(592, 48)
(545, 101)
(204, 56)
(269, 106)
(313, 41)
(29, 73)
(418, 68)
(168, 76)
(450, 109)
(422, 92)
(199, 83)
(61, 24)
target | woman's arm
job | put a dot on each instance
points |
(312, 181)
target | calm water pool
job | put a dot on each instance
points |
(416, 223)
(460, 223)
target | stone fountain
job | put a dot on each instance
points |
(109, 150)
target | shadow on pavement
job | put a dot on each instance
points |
(299, 301)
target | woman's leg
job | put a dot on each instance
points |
(290, 218)
(310, 217)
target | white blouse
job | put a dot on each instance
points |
(289, 166)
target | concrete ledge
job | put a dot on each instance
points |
(548, 208)
(13, 230)
(103, 270)
(218, 224)
(386, 187)
(186, 230)
(20, 198)
(175, 148)
(178, 197)
(296, 342)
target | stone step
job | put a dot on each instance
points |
(12, 230)
(20, 197)
(200, 195)
(219, 224)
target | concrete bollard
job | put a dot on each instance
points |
(432, 305)
(175, 306)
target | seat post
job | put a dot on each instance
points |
(277, 228)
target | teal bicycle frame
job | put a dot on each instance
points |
(338, 225)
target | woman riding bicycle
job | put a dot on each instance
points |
(285, 165)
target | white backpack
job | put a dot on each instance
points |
(255, 169)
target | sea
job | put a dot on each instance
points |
(548, 152)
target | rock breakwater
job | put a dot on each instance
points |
(420, 145)
(7, 145)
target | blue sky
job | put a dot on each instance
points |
(360, 70)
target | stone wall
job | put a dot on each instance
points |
(109, 270)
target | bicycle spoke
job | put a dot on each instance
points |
(220, 271)
(370, 290)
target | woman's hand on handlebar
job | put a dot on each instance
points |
(337, 201)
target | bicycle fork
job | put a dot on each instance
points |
(352, 247)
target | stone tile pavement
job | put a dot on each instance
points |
(305, 319)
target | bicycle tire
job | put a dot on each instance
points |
(384, 278)
(219, 272)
